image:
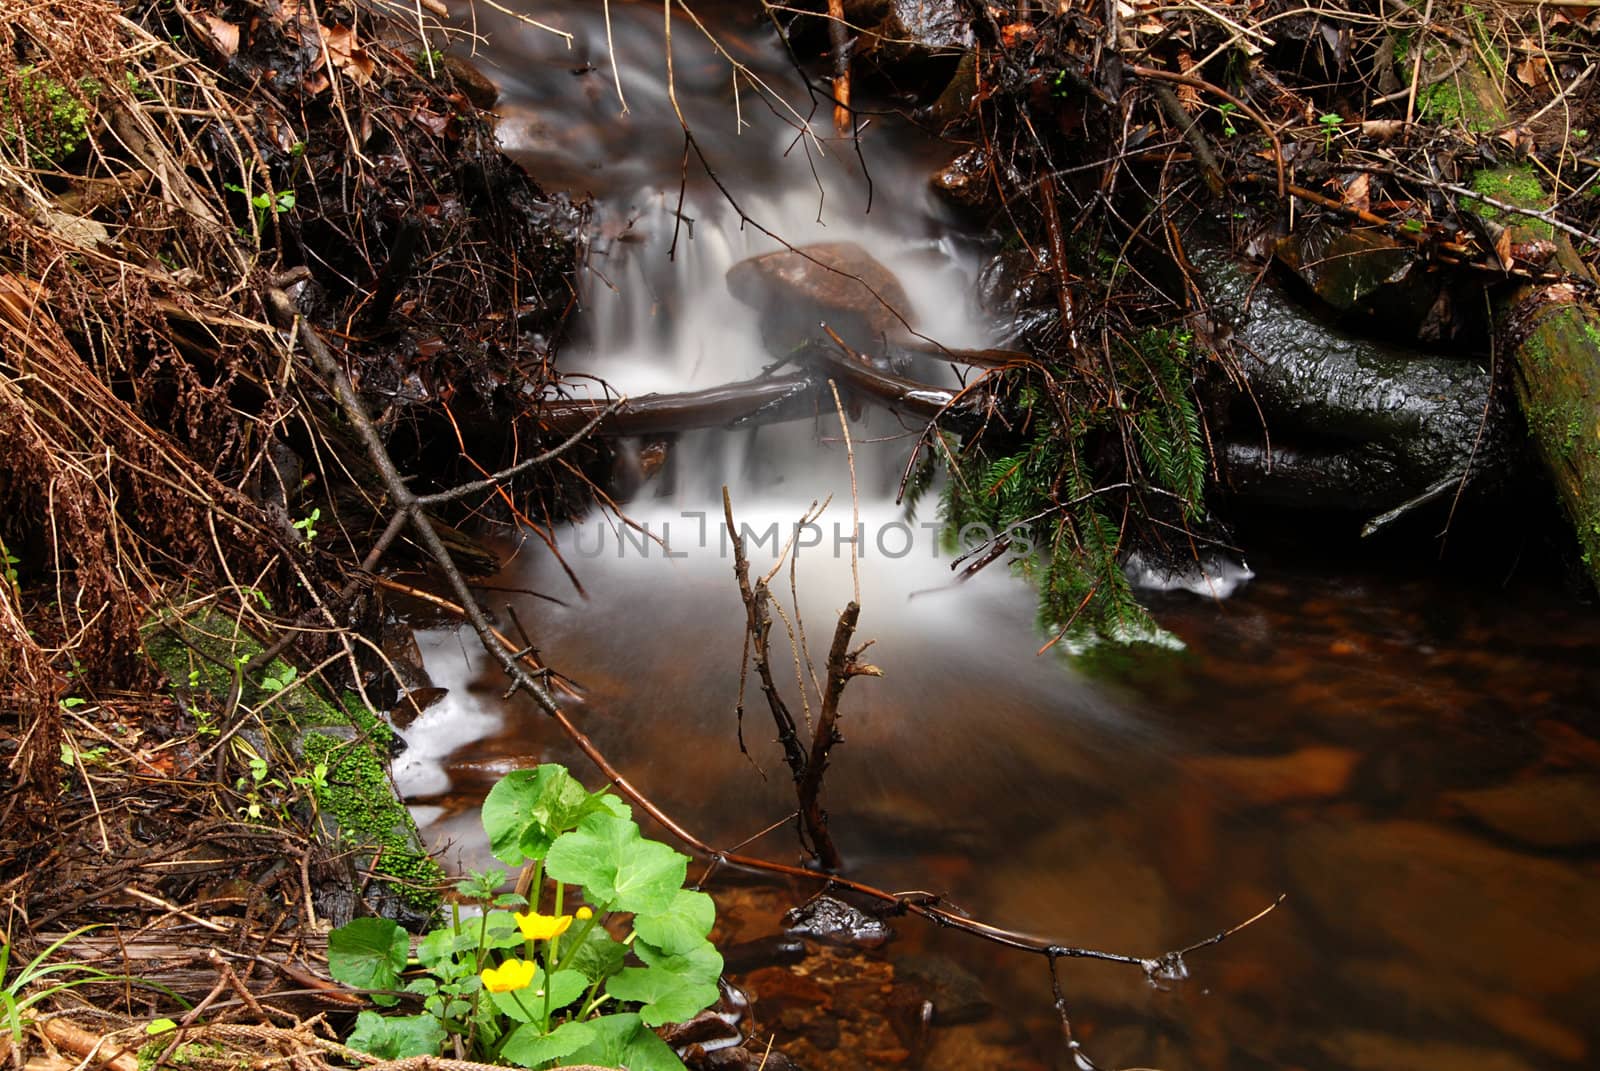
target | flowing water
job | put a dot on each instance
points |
(1414, 761)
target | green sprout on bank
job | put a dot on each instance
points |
(1227, 110)
(265, 203)
(1330, 122)
(306, 526)
(531, 989)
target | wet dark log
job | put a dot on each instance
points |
(768, 401)
(1553, 338)
(1352, 423)
(760, 401)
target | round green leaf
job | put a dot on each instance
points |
(369, 954)
(683, 926)
(618, 868)
(397, 1037)
(528, 1047)
(666, 997)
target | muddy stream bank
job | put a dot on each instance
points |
(1412, 756)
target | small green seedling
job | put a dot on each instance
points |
(307, 527)
(278, 682)
(265, 203)
(1330, 122)
(1227, 110)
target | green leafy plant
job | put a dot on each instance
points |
(15, 998)
(265, 203)
(307, 526)
(1227, 110)
(537, 990)
(1330, 122)
(277, 682)
(8, 569)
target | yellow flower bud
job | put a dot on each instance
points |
(585, 914)
(537, 927)
(512, 974)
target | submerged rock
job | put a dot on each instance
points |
(1451, 901)
(1557, 811)
(955, 993)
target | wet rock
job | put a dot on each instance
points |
(709, 1030)
(1556, 811)
(739, 1058)
(954, 103)
(966, 184)
(835, 922)
(839, 283)
(1369, 1050)
(473, 83)
(1310, 773)
(917, 30)
(1504, 920)
(956, 993)
(763, 952)
(413, 703)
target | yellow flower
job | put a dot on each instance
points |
(584, 914)
(537, 927)
(512, 974)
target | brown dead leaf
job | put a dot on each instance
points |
(1356, 195)
(1531, 71)
(346, 55)
(1382, 129)
(1502, 249)
(1188, 95)
(224, 34)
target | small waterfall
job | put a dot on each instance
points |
(656, 642)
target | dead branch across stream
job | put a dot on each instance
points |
(763, 400)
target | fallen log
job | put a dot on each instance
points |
(771, 400)
(751, 401)
(1553, 337)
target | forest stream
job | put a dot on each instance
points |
(1411, 755)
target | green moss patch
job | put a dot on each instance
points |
(205, 653)
(1517, 185)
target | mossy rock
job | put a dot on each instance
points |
(307, 728)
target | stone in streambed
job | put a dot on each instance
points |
(835, 922)
(1464, 907)
(837, 283)
(1310, 773)
(1556, 811)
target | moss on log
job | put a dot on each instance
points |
(1555, 348)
